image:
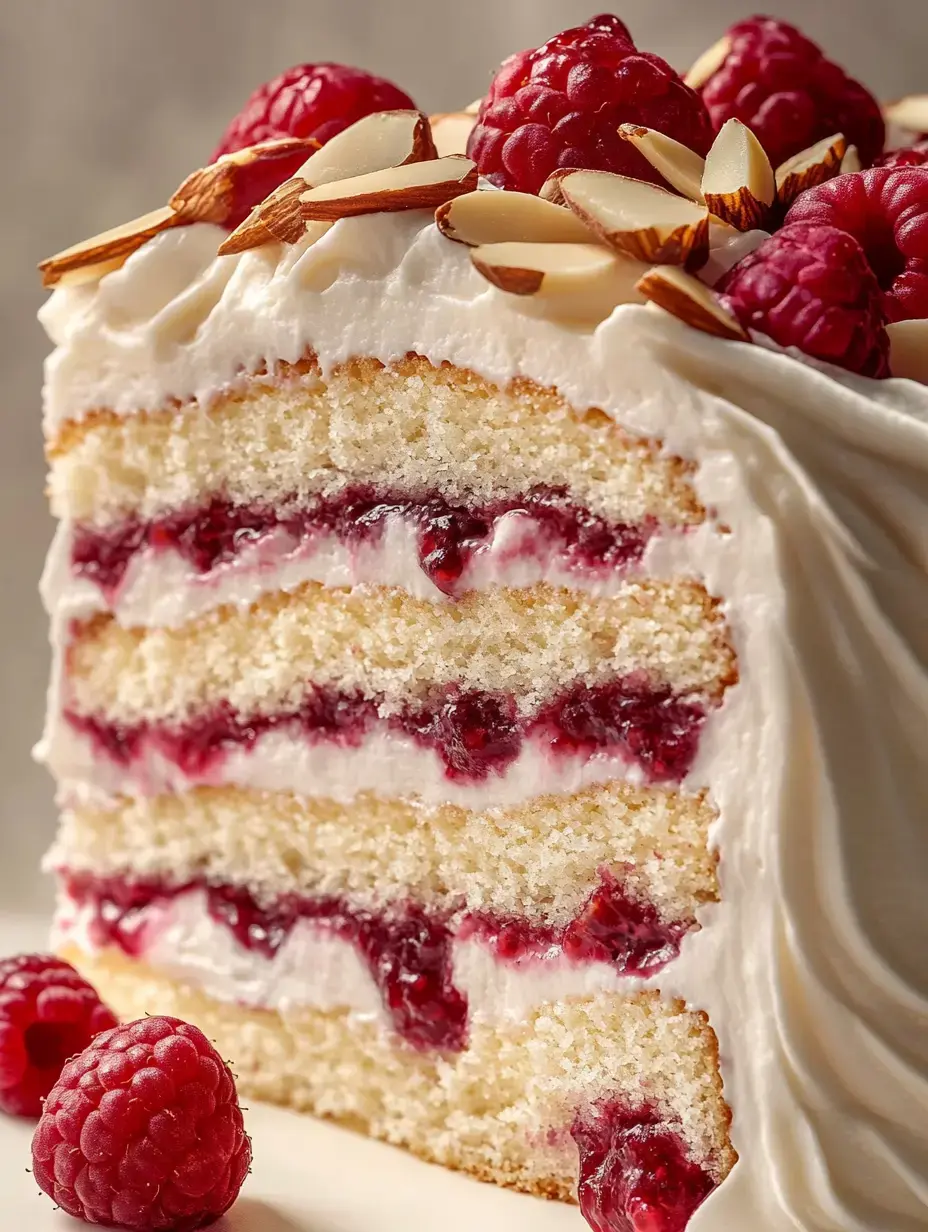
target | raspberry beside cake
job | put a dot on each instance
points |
(452, 692)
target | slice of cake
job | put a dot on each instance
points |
(491, 707)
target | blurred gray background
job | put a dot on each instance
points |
(106, 104)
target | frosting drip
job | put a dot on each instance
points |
(813, 969)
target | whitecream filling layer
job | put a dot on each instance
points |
(385, 762)
(313, 968)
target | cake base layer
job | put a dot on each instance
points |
(505, 1110)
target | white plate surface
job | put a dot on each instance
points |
(307, 1176)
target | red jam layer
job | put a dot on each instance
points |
(407, 948)
(635, 1175)
(475, 734)
(448, 534)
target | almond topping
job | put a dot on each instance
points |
(691, 301)
(101, 254)
(417, 186)
(212, 193)
(910, 113)
(680, 166)
(374, 143)
(908, 354)
(503, 217)
(851, 163)
(738, 183)
(708, 63)
(805, 170)
(578, 283)
(551, 188)
(638, 219)
(450, 131)
(474, 107)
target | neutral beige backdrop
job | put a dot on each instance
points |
(106, 104)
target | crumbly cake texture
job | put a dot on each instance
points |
(501, 1110)
(538, 861)
(410, 426)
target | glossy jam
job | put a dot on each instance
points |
(635, 1175)
(407, 948)
(475, 734)
(448, 535)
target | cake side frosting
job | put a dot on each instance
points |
(810, 967)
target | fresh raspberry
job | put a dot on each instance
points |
(886, 210)
(311, 100)
(811, 287)
(778, 83)
(143, 1131)
(561, 104)
(47, 1014)
(909, 156)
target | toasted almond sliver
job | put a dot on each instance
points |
(680, 166)
(908, 354)
(910, 113)
(416, 186)
(685, 297)
(502, 217)
(851, 163)
(638, 219)
(738, 183)
(708, 63)
(577, 283)
(103, 253)
(474, 107)
(212, 194)
(805, 170)
(451, 130)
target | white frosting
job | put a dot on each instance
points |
(385, 762)
(814, 967)
(315, 968)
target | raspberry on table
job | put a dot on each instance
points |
(561, 104)
(310, 100)
(811, 287)
(779, 83)
(144, 1131)
(47, 1014)
(908, 156)
(886, 210)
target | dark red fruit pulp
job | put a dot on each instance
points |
(475, 734)
(634, 1172)
(448, 534)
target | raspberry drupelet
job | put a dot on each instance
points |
(779, 83)
(907, 156)
(143, 1131)
(811, 287)
(886, 210)
(47, 1014)
(561, 105)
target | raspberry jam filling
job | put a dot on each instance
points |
(407, 947)
(475, 734)
(448, 535)
(635, 1175)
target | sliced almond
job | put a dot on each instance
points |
(474, 107)
(708, 63)
(551, 188)
(691, 301)
(504, 217)
(417, 186)
(910, 113)
(215, 193)
(578, 283)
(680, 166)
(851, 163)
(908, 354)
(373, 143)
(638, 219)
(738, 183)
(103, 253)
(805, 170)
(451, 130)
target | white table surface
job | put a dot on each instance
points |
(307, 1176)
